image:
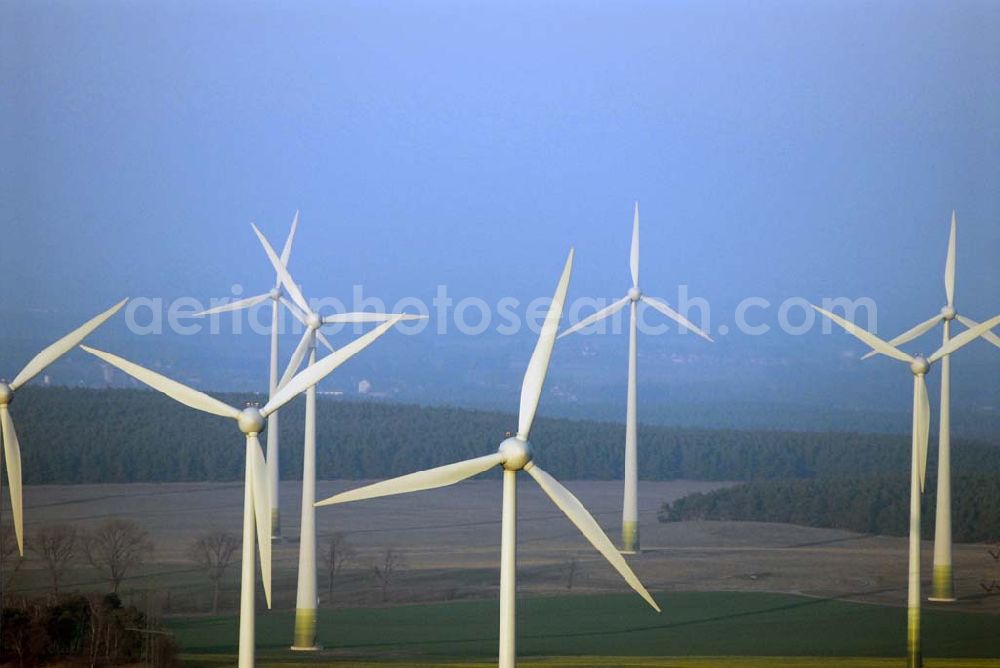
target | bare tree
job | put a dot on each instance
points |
(570, 569)
(214, 551)
(336, 554)
(56, 546)
(115, 548)
(993, 586)
(385, 569)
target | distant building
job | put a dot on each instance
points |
(364, 387)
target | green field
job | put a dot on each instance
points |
(700, 629)
(629, 662)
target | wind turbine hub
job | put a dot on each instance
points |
(919, 366)
(6, 394)
(275, 294)
(313, 321)
(948, 312)
(251, 421)
(516, 453)
(634, 294)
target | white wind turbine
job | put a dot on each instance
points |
(515, 454)
(630, 506)
(942, 581)
(250, 421)
(919, 366)
(274, 294)
(11, 446)
(304, 637)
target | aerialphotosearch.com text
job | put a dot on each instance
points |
(472, 316)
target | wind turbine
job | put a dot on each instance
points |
(942, 581)
(515, 454)
(274, 294)
(919, 366)
(630, 506)
(11, 446)
(304, 637)
(256, 498)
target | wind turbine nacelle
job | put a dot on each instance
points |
(948, 312)
(6, 394)
(634, 294)
(313, 321)
(274, 293)
(251, 421)
(919, 366)
(516, 453)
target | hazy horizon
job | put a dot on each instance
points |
(777, 151)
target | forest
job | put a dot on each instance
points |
(876, 504)
(79, 435)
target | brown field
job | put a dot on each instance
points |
(450, 541)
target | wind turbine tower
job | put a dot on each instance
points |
(630, 504)
(919, 367)
(256, 496)
(8, 435)
(273, 445)
(307, 596)
(514, 455)
(943, 581)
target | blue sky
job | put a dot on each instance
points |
(777, 149)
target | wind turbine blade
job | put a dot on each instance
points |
(875, 343)
(675, 316)
(988, 335)
(177, 391)
(286, 252)
(634, 255)
(235, 306)
(261, 509)
(588, 526)
(326, 343)
(60, 347)
(908, 335)
(296, 361)
(968, 335)
(368, 316)
(293, 309)
(419, 481)
(12, 457)
(594, 317)
(316, 372)
(283, 275)
(949, 265)
(538, 366)
(922, 421)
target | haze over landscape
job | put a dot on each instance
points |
(796, 504)
(777, 152)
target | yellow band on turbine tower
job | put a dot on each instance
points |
(942, 584)
(305, 629)
(630, 536)
(913, 656)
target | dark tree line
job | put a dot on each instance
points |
(82, 630)
(141, 436)
(878, 505)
